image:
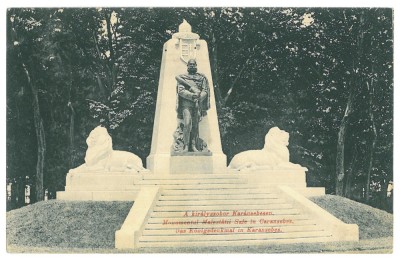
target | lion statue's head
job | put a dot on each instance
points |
(276, 136)
(99, 146)
(276, 142)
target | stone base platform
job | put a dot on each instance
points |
(110, 186)
(123, 186)
(130, 195)
(191, 164)
(187, 163)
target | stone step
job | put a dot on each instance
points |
(189, 176)
(192, 181)
(246, 230)
(227, 191)
(103, 188)
(117, 178)
(211, 186)
(275, 177)
(323, 237)
(98, 195)
(225, 207)
(173, 214)
(234, 236)
(218, 197)
(222, 202)
(265, 220)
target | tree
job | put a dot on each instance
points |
(18, 23)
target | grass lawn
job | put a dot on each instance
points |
(89, 227)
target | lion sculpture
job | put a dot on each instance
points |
(274, 155)
(100, 156)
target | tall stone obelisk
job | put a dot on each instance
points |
(183, 46)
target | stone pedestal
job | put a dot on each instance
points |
(165, 120)
(191, 165)
(101, 186)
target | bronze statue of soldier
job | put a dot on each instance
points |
(193, 101)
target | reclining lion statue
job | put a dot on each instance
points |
(274, 155)
(100, 156)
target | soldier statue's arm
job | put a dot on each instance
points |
(205, 89)
(183, 82)
(186, 94)
(192, 94)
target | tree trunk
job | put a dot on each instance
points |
(104, 90)
(17, 194)
(39, 128)
(214, 59)
(71, 136)
(386, 199)
(68, 71)
(383, 198)
(340, 173)
(372, 149)
(340, 158)
(40, 136)
(349, 177)
(111, 49)
(234, 82)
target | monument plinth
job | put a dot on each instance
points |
(177, 51)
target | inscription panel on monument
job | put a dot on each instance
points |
(231, 222)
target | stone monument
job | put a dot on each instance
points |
(177, 89)
(188, 196)
(192, 199)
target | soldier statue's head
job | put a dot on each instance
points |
(192, 66)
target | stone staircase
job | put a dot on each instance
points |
(218, 209)
(223, 210)
(173, 204)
